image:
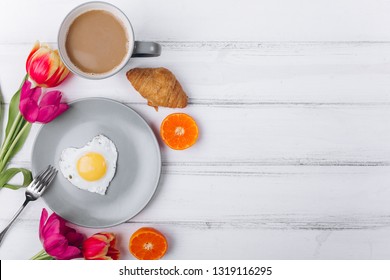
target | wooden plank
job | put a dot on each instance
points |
(343, 20)
(194, 242)
(262, 135)
(293, 158)
(242, 74)
(258, 197)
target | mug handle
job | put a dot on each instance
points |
(146, 49)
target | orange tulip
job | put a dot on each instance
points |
(45, 67)
(101, 246)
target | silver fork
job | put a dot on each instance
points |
(33, 192)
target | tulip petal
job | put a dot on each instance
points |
(40, 67)
(101, 246)
(44, 216)
(75, 238)
(109, 235)
(25, 90)
(57, 77)
(54, 217)
(57, 238)
(28, 105)
(49, 113)
(63, 72)
(64, 229)
(45, 67)
(46, 114)
(30, 93)
(51, 98)
(69, 253)
(50, 107)
(62, 108)
(51, 228)
(111, 238)
(94, 247)
(55, 244)
(113, 253)
(29, 110)
(36, 46)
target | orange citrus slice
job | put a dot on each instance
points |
(179, 131)
(148, 244)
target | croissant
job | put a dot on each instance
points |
(159, 86)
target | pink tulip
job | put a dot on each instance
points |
(101, 246)
(36, 109)
(59, 240)
(45, 67)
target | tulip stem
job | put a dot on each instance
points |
(10, 135)
(14, 142)
(20, 121)
(12, 130)
(39, 254)
(42, 255)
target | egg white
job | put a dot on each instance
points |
(68, 164)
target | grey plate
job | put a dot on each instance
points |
(138, 166)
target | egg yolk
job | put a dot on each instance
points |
(91, 166)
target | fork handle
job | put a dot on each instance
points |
(2, 234)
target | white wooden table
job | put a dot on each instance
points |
(293, 103)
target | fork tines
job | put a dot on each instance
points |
(43, 179)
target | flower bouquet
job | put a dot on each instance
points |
(28, 105)
(61, 242)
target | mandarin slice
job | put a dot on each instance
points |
(179, 131)
(148, 244)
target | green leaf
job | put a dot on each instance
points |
(14, 107)
(26, 126)
(13, 111)
(9, 173)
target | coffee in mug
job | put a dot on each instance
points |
(96, 40)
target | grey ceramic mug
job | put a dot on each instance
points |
(135, 48)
